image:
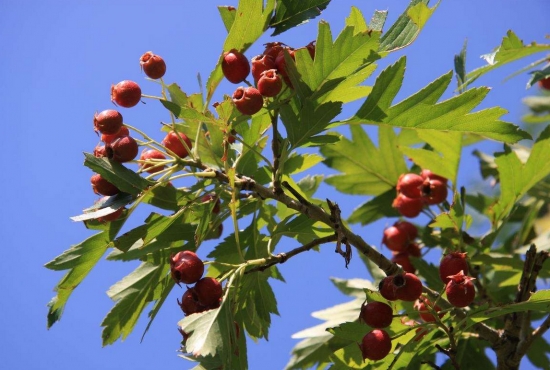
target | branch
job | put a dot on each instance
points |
(276, 154)
(449, 354)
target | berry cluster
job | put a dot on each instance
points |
(186, 267)
(414, 191)
(268, 70)
(399, 238)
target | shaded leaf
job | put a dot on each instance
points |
(289, 14)
(375, 209)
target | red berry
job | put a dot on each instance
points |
(111, 216)
(395, 239)
(231, 137)
(434, 192)
(452, 264)
(209, 291)
(151, 154)
(99, 151)
(235, 66)
(413, 249)
(377, 314)
(409, 229)
(248, 100)
(386, 288)
(153, 65)
(212, 198)
(126, 93)
(107, 139)
(173, 142)
(422, 305)
(376, 345)
(102, 186)
(189, 304)
(123, 149)
(270, 83)
(427, 174)
(408, 207)
(460, 290)
(402, 258)
(280, 63)
(186, 267)
(545, 83)
(273, 49)
(410, 185)
(407, 286)
(261, 63)
(108, 121)
(311, 48)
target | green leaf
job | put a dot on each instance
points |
(365, 169)
(378, 20)
(289, 14)
(353, 287)
(538, 353)
(407, 27)
(538, 75)
(516, 178)
(228, 14)
(105, 206)
(132, 294)
(511, 49)
(375, 209)
(460, 66)
(298, 163)
(79, 260)
(165, 196)
(187, 113)
(538, 104)
(454, 218)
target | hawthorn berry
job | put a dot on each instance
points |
(387, 289)
(460, 290)
(270, 83)
(209, 291)
(173, 142)
(99, 151)
(261, 63)
(427, 174)
(407, 286)
(280, 63)
(545, 83)
(235, 66)
(212, 198)
(422, 304)
(248, 100)
(452, 264)
(123, 149)
(395, 239)
(189, 304)
(376, 345)
(102, 186)
(434, 192)
(107, 139)
(126, 93)
(272, 49)
(153, 65)
(409, 229)
(186, 267)
(377, 314)
(311, 48)
(402, 258)
(108, 121)
(413, 249)
(151, 154)
(408, 207)
(410, 185)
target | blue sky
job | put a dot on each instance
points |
(59, 61)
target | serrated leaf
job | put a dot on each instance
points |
(105, 206)
(228, 14)
(460, 66)
(365, 169)
(258, 301)
(298, 163)
(510, 49)
(538, 75)
(205, 332)
(452, 219)
(516, 178)
(375, 209)
(289, 14)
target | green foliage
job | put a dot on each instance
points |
(289, 14)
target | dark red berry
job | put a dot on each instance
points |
(152, 154)
(261, 63)
(409, 229)
(421, 305)
(189, 304)
(235, 66)
(212, 198)
(123, 149)
(410, 185)
(434, 192)
(273, 49)
(402, 258)
(186, 267)
(209, 291)
(387, 289)
(111, 216)
(102, 186)
(407, 286)
(173, 142)
(545, 83)
(413, 249)
(248, 100)
(126, 93)
(153, 65)
(377, 314)
(376, 345)
(408, 207)
(311, 48)
(460, 290)
(280, 63)
(107, 139)
(395, 239)
(270, 83)
(427, 174)
(99, 151)
(108, 121)
(452, 264)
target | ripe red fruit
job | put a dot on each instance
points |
(427, 174)
(153, 65)
(460, 290)
(173, 142)
(212, 198)
(102, 186)
(311, 48)
(270, 83)
(248, 100)
(422, 305)
(377, 314)
(413, 249)
(111, 216)
(376, 345)
(108, 121)
(408, 207)
(407, 286)
(186, 267)
(387, 289)
(545, 83)
(152, 154)
(395, 239)
(261, 63)
(410, 185)
(126, 93)
(280, 63)
(189, 304)
(409, 229)
(434, 192)
(123, 149)
(99, 151)
(235, 66)
(452, 264)
(402, 258)
(107, 139)
(209, 291)
(273, 49)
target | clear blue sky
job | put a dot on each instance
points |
(59, 59)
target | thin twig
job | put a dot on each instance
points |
(450, 354)
(276, 154)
